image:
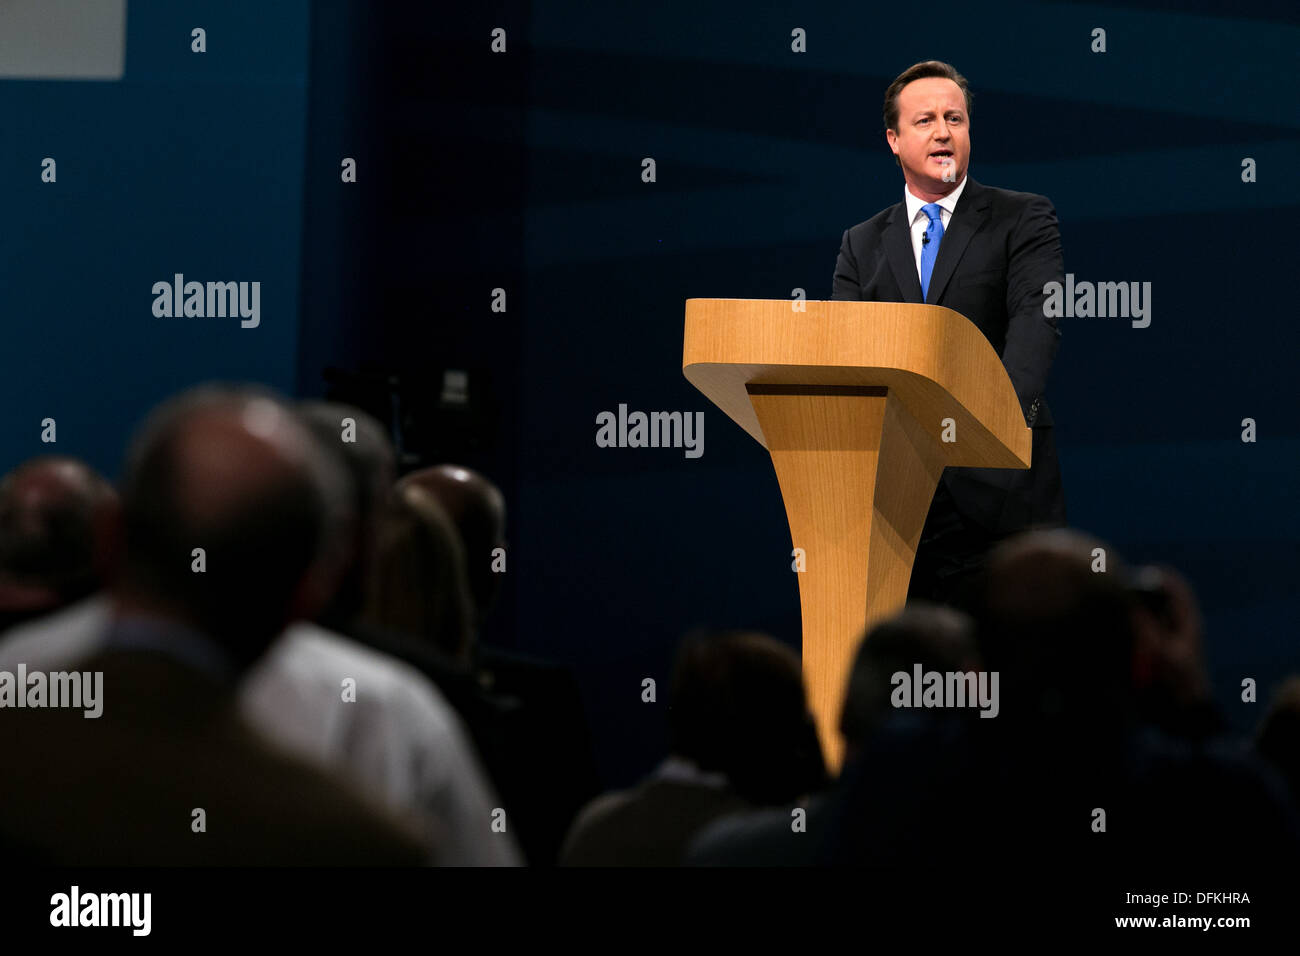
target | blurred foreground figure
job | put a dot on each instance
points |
(1171, 679)
(1278, 739)
(1095, 753)
(526, 713)
(478, 510)
(223, 541)
(403, 569)
(742, 736)
(938, 639)
(1070, 772)
(52, 510)
(407, 594)
(418, 586)
(332, 701)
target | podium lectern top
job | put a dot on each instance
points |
(934, 359)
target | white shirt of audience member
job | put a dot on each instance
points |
(399, 741)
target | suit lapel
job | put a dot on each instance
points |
(898, 249)
(971, 213)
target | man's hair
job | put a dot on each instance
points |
(418, 586)
(478, 509)
(1278, 738)
(936, 637)
(739, 708)
(49, 538)
(1059, 631)
(370, 460)
(258, 545)
(370, 464)
(920, 71)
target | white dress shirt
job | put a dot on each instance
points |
(399, 742)
(920, 221)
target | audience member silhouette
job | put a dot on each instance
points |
(1278, 737)
(418, 587)
(53, 512)
(525, 717)
(1068, 774)
(939, 639)
(542, 751)
(478, 510)
(1171, 680)
(359, 443)
(741, 735)
(220, 599)
(338, 704)
(222, 543)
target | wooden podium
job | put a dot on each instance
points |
(854, 401)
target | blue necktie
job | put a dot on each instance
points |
(930, 249)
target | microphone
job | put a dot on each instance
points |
(925, 238)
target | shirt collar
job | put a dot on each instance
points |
(948, 202)
(139, 632)
(680, 770)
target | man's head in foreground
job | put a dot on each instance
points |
(358, 442)
(478, 509)
(52, 513)
(939, 639)
(739, 708)
(228, 511)
(1055, 619)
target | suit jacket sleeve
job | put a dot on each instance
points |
(845, 287)
(1034, 259)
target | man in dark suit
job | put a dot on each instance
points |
(985, 253)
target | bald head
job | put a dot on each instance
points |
(1055, 617)
(51, 509)
(1047, 574)
(234, 473)
(478, 510)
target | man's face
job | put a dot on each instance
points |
(933, 133)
